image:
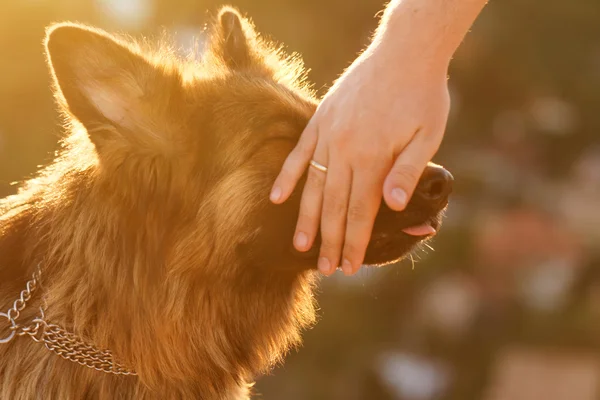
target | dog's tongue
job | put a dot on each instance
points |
(419, 230)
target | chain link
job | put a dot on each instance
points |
(70, 347)
(13, 314)
(56, 339)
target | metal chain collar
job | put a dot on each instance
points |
(67, 345)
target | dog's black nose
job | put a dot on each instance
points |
(435, 184)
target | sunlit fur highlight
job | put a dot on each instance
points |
(136, 241)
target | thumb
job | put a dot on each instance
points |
(404, 176)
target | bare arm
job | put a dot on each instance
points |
(433, 28)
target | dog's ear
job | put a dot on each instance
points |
(233, 39)
(109, 86)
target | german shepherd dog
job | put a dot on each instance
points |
(157, 256)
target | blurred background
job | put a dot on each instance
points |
(507, 303)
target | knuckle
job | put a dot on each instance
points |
(340, 147)
(287, 174)
(357, 212)
(304, 150)
(307, 220)
(331, 236)
(433, 138)
(368, 156)
(330, 247)
(334, 207)
(291, 166)
(297, 152)
(343, 140)
(405, 173)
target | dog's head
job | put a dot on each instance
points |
(204, 141)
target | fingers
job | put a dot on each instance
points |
(365, 200)
(402, 179)
(346, 221)
(295, 164)
(333, 217)
(311, 204)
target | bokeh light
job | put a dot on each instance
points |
(507, 306)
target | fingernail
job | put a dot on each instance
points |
(301, 240)
(347, 267)
(275, 194)
(399, 196)
(324, 265)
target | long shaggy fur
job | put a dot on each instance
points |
(136, 223)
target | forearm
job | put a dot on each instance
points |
(429, 28)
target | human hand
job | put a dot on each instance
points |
(375, 130)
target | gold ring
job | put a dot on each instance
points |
(318, 166)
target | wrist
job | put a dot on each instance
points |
(426, 32)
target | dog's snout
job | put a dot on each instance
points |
(435, 184)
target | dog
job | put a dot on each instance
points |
(157, 266)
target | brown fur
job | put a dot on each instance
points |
(153, 227)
